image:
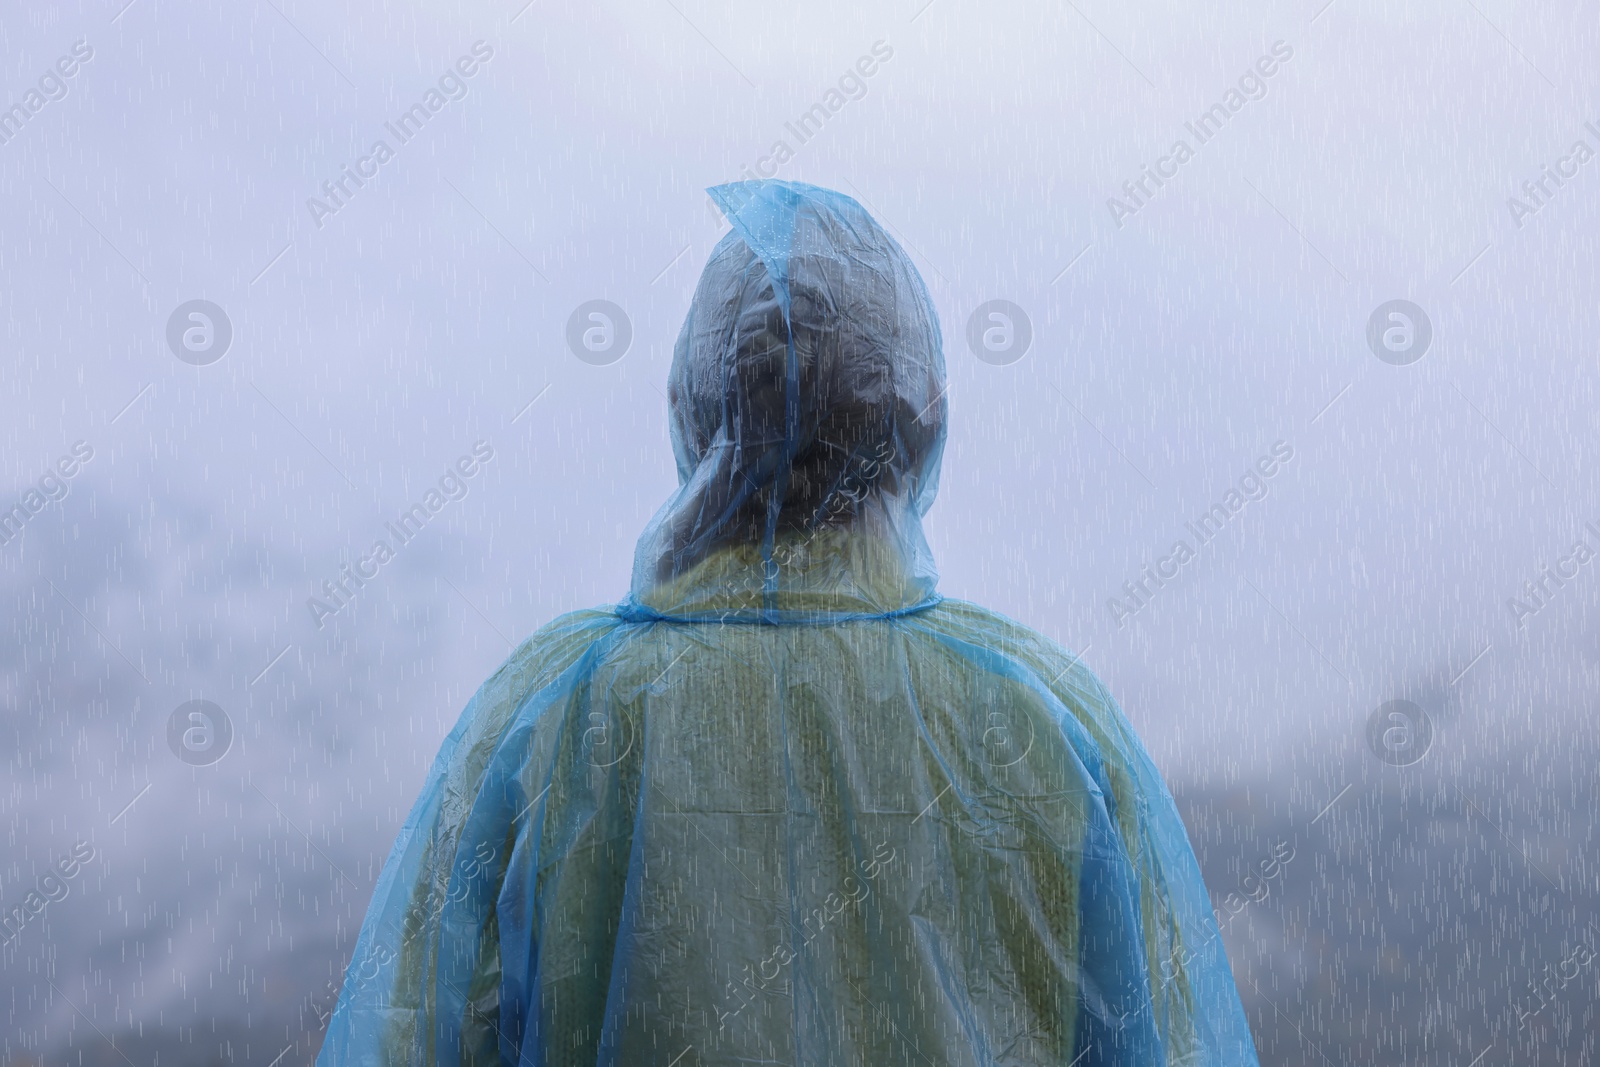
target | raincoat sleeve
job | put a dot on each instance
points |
(387, 1011)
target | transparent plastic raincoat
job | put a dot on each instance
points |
(785, 804)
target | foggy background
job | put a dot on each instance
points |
(1439, 905)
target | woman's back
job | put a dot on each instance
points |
(786, 805)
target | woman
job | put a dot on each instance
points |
(785, 804)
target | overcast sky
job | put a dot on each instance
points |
(1185, 337)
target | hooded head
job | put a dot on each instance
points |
(808, 413)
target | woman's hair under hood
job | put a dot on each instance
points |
(807, 388)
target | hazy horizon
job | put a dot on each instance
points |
(1180, 332)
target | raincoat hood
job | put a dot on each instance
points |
(808, 418)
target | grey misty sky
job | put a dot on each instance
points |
(369, 352)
